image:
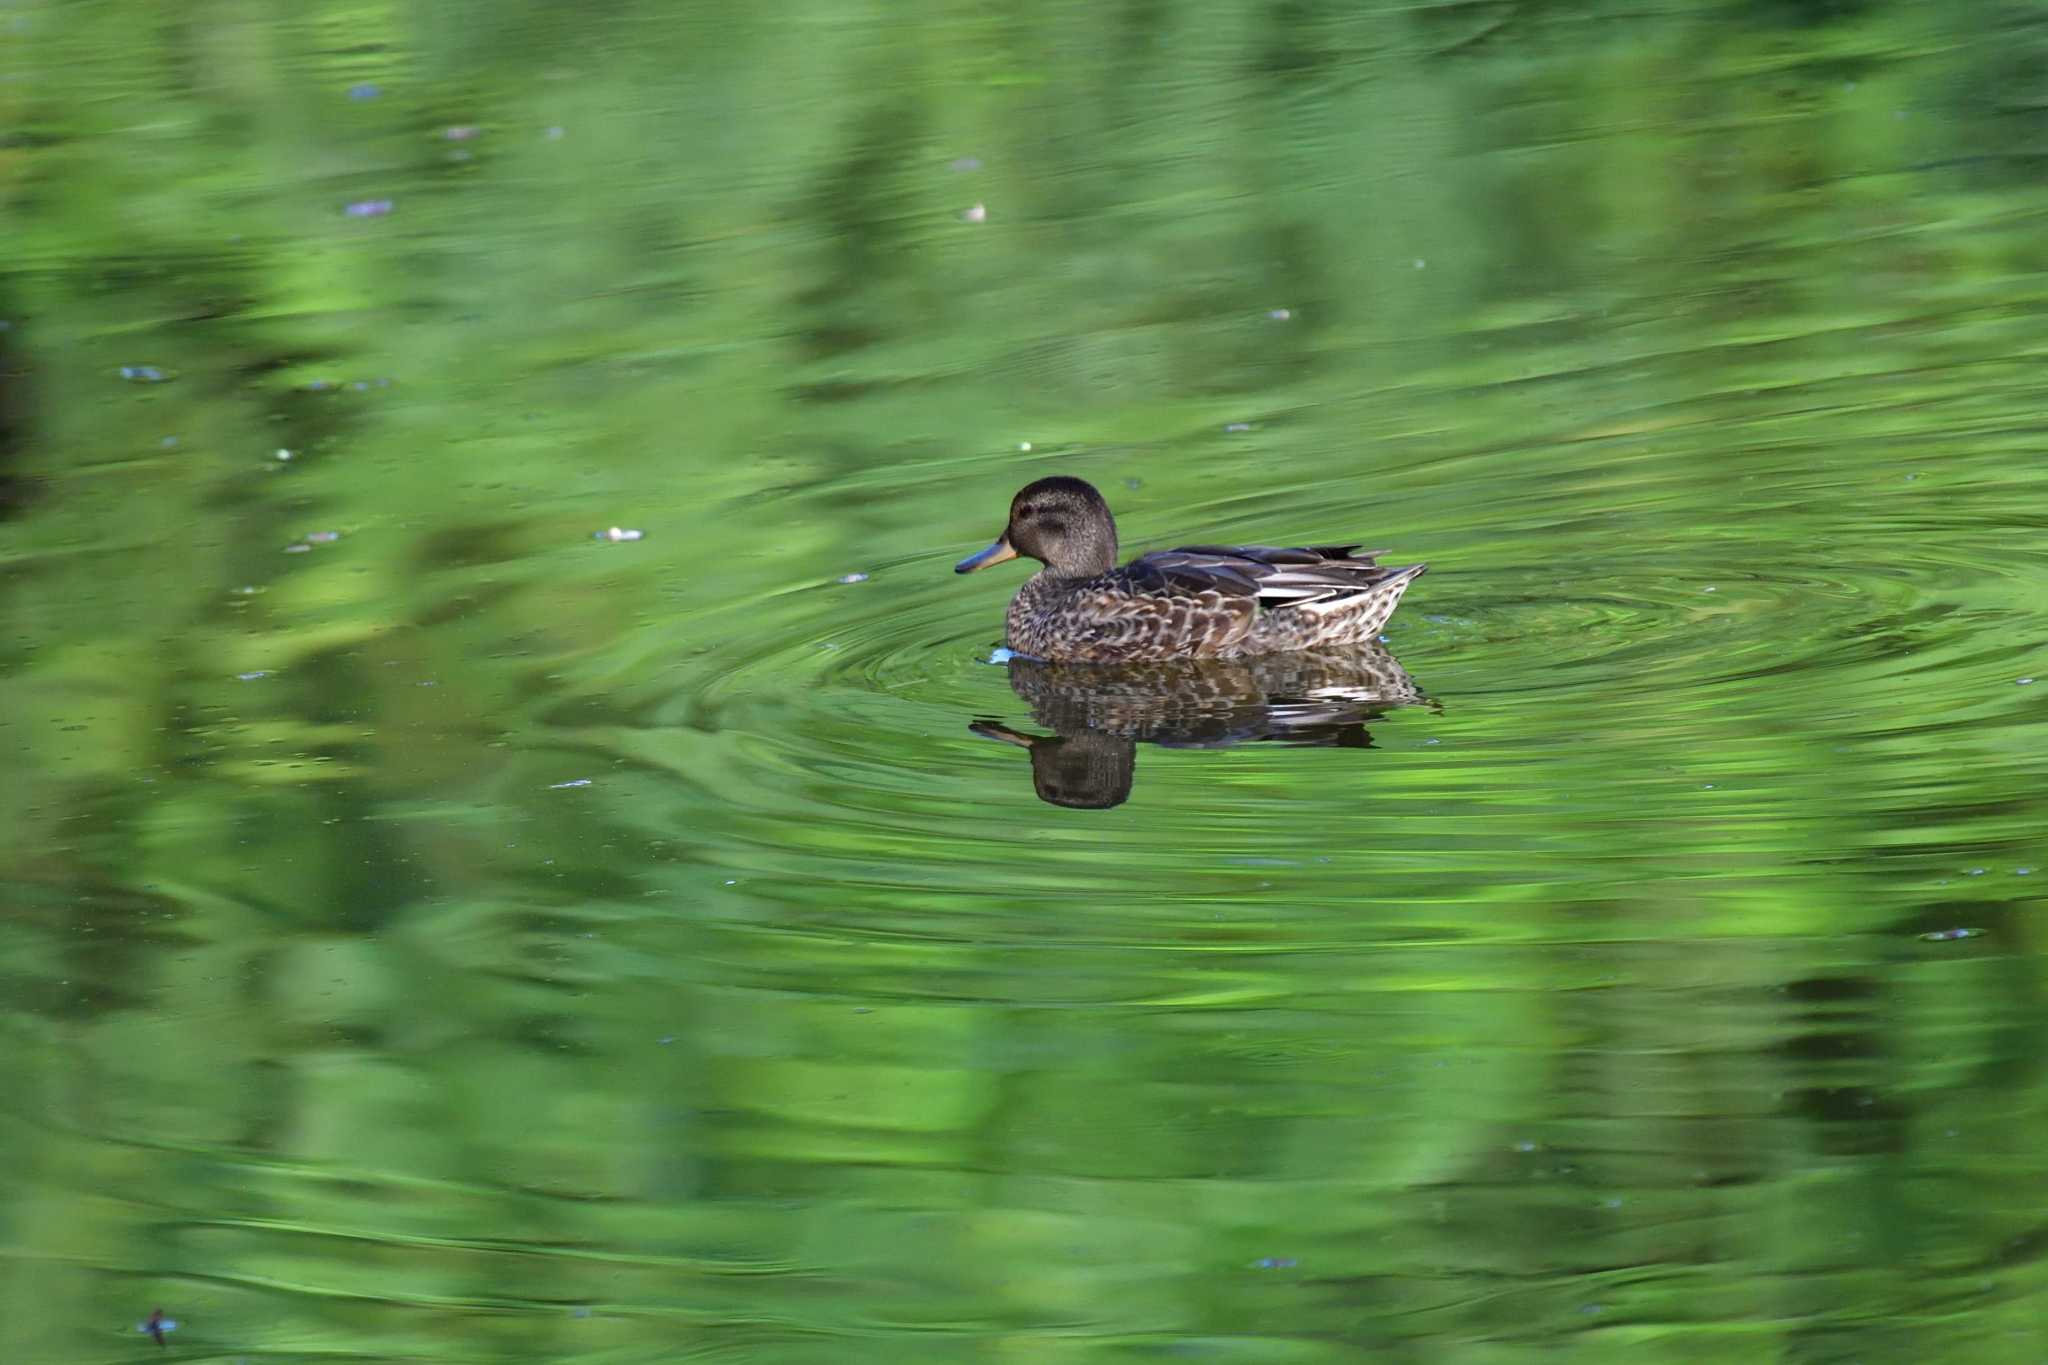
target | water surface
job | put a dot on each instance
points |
(434, 926)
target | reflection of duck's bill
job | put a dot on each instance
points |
(994, 554)
(989, 729)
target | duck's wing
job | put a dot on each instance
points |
(1274, 576)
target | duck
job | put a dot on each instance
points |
(1195, 602)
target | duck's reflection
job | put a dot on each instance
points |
(1099, 713)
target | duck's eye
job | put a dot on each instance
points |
(1027, 512)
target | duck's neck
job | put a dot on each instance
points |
(1086, 555)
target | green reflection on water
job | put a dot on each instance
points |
(461, 936)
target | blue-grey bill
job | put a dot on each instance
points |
(994, 554)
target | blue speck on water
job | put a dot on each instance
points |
(364, 91)
(1950, 935)
(143, 374)
(1275, 1263)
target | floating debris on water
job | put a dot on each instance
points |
(1237, 426)
(1950, 935)
(298, 548)
(155, 1325)
(283, 454)
(460, 132)
(147, 374)
(2025, 682)
(573, 782)
(975, 213)
(1275, 1263)
(1280, 314)
(616, 533)
(322, 537)
(252, 676)
(367, 208)
(364, 91)
(851, 578)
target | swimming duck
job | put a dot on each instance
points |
(1198, 602)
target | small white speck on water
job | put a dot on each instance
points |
(1974, 872)
(1710, 588)
(616, 534)
(851, 578)
(2023, 872)
(2024, 682)
(252, 676)
(572, 782)
(732, 881)
(1237, 426)
(283, 454)
(1280, 314)
(974, 213)
(1024, 446)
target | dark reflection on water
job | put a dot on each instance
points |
(1100, 713)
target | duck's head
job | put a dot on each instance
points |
(1061, 522)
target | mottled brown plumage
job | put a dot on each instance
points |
(1198, 602)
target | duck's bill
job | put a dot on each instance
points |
(994, 554)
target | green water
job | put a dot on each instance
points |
(432, 930)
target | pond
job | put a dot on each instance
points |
(519, 847)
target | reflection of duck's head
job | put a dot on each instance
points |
(1085, 771)
(1061, 522)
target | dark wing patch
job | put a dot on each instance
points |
(1192, 571)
